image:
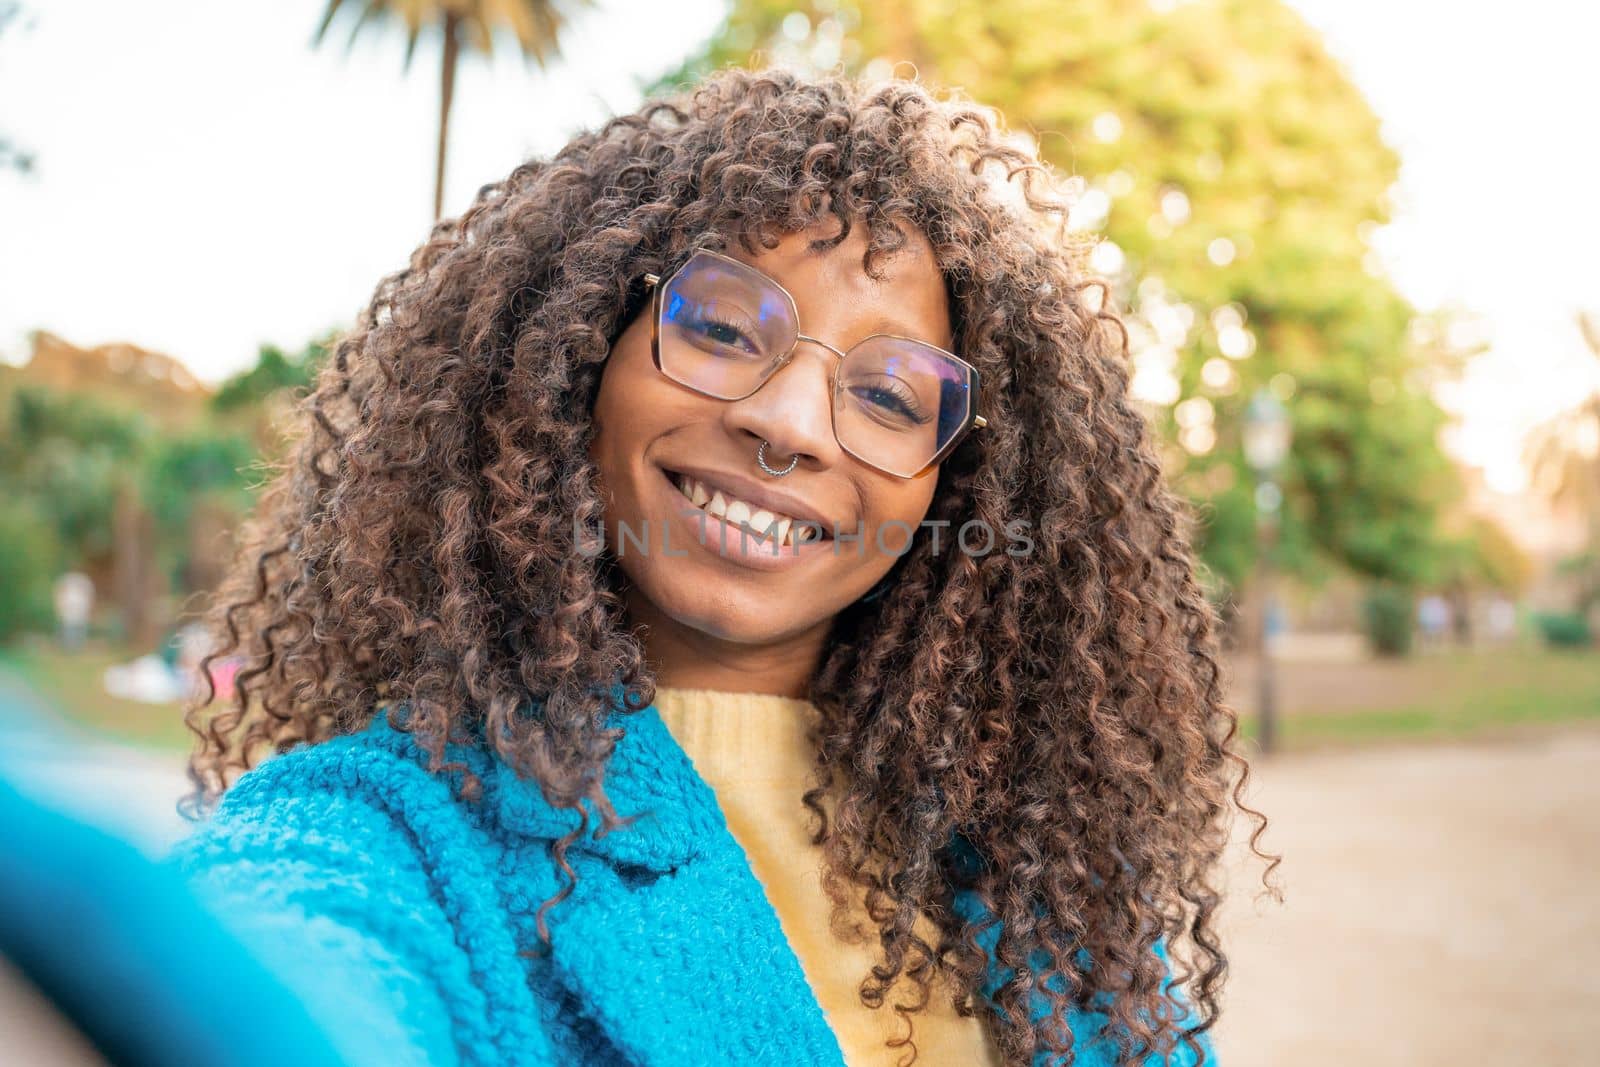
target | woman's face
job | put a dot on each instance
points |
(652, 432)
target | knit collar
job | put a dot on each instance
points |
(720, 954)
(648, 775)
(718, 981)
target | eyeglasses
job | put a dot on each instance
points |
(723, 328)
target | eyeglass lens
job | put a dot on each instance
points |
(725, 328)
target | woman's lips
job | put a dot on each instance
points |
(763, 517)
(759, 494)
(737, 544)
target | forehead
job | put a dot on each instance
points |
(909, 296)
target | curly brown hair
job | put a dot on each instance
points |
(1061, 711)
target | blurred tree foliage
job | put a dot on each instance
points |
(70, 457)
(1387, 612)
(64, 455)
(275, 369)
(265, 393)
(1238, 177)
(68, 453)
(28, 565)
(183, 475)
(1484, 556)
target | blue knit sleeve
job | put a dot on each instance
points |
(119, 946)
(1093, 1045)
(364, 881)
(327, 894)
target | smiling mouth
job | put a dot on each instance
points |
(762, 523)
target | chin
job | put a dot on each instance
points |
(739, 616)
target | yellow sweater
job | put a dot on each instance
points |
(752, 749)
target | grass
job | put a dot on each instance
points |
(1462, 695)
(71, 684)
(1448, 695)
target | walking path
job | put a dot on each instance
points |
(1440, 907)
(132, 791)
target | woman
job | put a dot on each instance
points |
(754, 471)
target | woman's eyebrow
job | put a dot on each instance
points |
(900, 328)
(884, 323)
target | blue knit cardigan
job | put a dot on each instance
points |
(405, 917)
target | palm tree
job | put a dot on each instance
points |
(469, 24)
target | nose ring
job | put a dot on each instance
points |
(761, 458)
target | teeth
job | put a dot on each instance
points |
(735, 511)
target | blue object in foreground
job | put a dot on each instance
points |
(122, 948)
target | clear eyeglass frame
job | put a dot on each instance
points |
(971, 421)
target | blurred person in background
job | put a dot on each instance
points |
(1433, 617)
(638, 498)
(74, 599)
(1502, 618)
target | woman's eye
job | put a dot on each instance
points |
(890, 400)
(725, 334)
(722, 334)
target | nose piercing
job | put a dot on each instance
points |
(761, 458)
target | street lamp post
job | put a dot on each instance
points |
(1267, 433)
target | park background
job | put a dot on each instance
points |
(1357, 246)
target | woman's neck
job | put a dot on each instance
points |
(687, 658)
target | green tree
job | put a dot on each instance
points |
(1483, 556)
(274, 370)
(186, 477)
(461, 24)
(263, 395)
(1237, 176)
(107, 490)
(72, 461)
(28, 564)
(66, 455)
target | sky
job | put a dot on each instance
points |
(207, 181)
(1498, 206)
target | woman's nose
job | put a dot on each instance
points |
(792, 410)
